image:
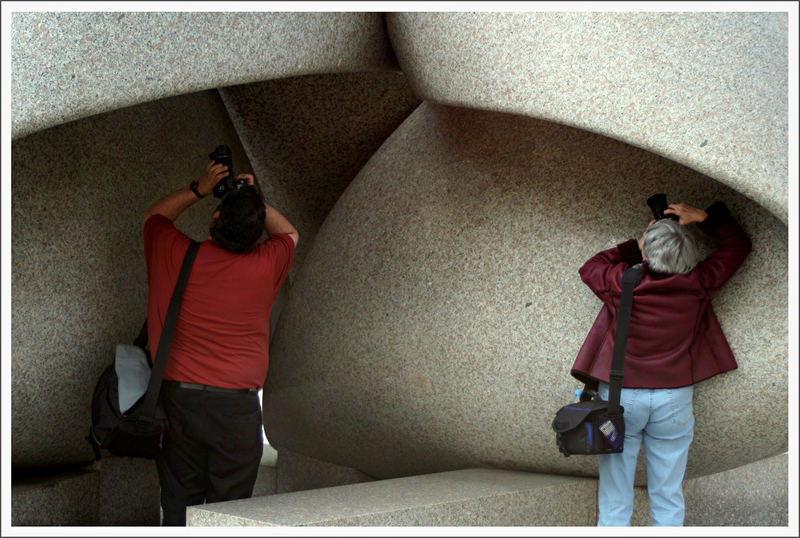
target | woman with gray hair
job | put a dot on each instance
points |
(670, 249)
(674, 342)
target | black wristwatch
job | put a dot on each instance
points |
(193, 186)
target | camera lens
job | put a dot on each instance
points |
(223, 155)
(658, 204)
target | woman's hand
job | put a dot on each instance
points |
(686, 213)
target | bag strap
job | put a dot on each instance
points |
(141, 340)
(630, 278)
(165, 342)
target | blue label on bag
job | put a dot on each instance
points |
(611, 434)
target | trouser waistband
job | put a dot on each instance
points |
(197, 386)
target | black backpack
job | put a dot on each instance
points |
(131, 432)
(138, 429)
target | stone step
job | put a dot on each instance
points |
(470, 497)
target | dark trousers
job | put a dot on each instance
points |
(212, 448)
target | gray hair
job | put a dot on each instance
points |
(669, 248)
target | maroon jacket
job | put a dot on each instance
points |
(674, 337)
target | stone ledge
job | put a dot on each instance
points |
(481, 497)
(751, 495)
(112, 492)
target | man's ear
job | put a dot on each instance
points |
(213, 221)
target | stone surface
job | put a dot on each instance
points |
(266, 481)
(466, 497)
(71, 65)
(308, 137)
(707, 90)
(298, 473)
(78, 279)
(433, 324)
(78, 267)
(68, 499)
(111, 492)
(752, 495)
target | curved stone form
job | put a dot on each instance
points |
(304, 151)
(707, 90)
(430, 318)
(79, 282)
(67, 66)
(78, 272)
(435, 319)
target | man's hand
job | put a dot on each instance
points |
(213, 174)
(686, 213)
(172, 205)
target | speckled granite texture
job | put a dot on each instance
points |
(752, 495)
(112, 492)
(436, 318)
(79, 284)
(479, 497)
(312, 135)
(308, 137)
(439, 303)
(265, 481)
(297, 473)
(71, 65)
(707, 90)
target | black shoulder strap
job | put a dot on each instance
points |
(141, 340)
(160, 362)
(630, 278)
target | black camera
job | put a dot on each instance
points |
(222, 155)
(658, 203)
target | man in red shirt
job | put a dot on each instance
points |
(219, 354)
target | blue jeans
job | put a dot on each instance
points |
(662, 419)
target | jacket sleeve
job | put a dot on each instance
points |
(733, 246)
(603, 271)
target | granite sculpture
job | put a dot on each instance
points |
(433, 317)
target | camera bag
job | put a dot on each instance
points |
(593, 425)
(127, 419)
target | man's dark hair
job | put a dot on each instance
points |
(241, 220)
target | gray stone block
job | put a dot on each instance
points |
(433, 291)
(473, 497)
(308, 137)
(77, 267)
(708, 90)
(69, 66)
(111, 492)
(64, 499)
(296, 473)
(752, 495)
(266, 481)
(79, 282)
(436, 318)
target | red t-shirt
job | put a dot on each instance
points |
(222, 333)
